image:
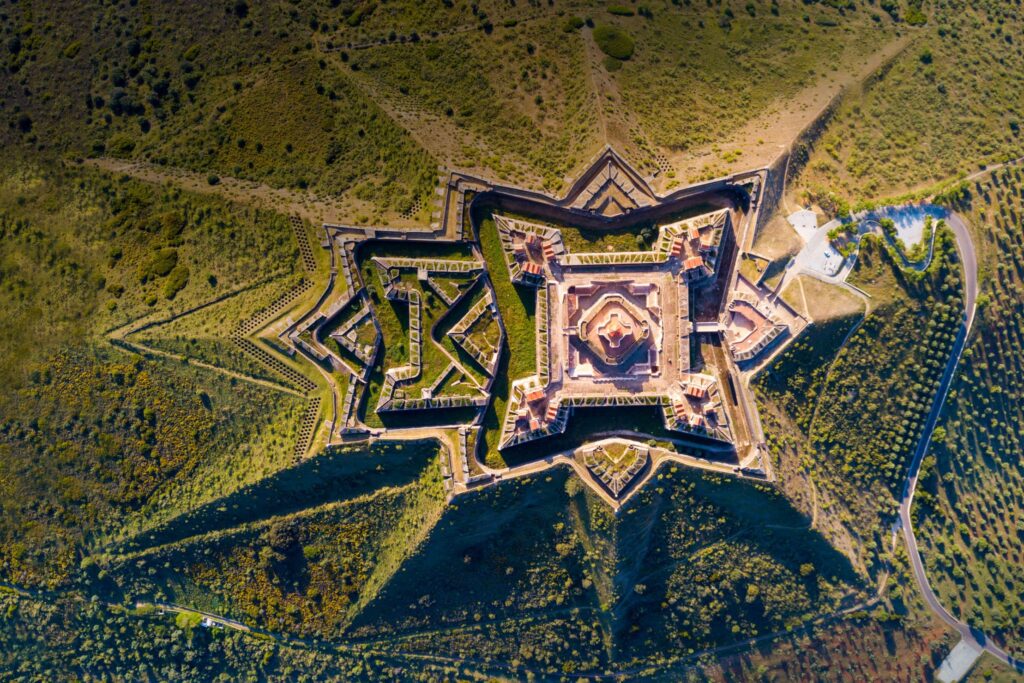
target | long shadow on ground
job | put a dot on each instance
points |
(336, 474)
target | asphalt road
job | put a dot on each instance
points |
(969, 261)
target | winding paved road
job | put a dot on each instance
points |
(968, 258)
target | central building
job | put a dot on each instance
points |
(613, 329)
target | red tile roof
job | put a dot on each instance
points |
(535, 395)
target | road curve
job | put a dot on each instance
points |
(969, 261)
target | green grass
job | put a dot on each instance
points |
(62, 636)
(517, 92)
(97, 445)
(877, 146)
(970, 502)
(73, 230)
(790, 386)
(95, 439)
(210, 91)
(517, 307)
(393, 317)
(205, 335)
(300, 572)
(673, 82)
(101, 438)
(853, 432)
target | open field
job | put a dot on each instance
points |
(900, 133)
(822, 302)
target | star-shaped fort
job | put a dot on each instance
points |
(608, 330)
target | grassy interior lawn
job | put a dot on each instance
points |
(451, 318)
(517, 306)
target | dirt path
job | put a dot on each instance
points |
(618, 125)
(313, 208)
(437, 134)
(143, 350)
(764, 137)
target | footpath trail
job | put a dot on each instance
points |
(313, 208)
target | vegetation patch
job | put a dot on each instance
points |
(633, 582)
(970, 500)
(176, 281)
(853, 424)
(614, 41)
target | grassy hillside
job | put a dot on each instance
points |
(65, 639)
(90, 435)
(846, 422)
(124, 249)
(95, 435)
(220, 88)
(970, 500)
(541, 572)
(735, 61)
(168, 470)
(947, 105)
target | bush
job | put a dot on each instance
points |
(172, 223)
(160, 263)
(176, 282)
(213, 179)
(572, 24)
(120, 145)
(620, 10)
(614, 42)
(612, 64)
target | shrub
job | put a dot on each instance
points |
(612, 64)
(572, 24)
(614, 42)
(176, 282)
(160, 263)
(120, 145)
(171, 224)
(620, 10)
(213, 179)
